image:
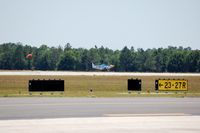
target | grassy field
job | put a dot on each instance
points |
(103, 86)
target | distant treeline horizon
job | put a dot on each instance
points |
(170, 59)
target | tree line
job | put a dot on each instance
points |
(171, 59)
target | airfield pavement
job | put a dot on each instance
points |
(70, 73)
(107, 115)
(52, 107)
(149, 124)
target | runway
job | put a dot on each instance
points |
(149, 124)
(107, 115)
(37, 107)
(73, 73)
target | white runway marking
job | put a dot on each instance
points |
(155, 124)
(68, 73)
(142, 115)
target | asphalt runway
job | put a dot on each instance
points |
(43, 107)
(106, 115)
(73, 73)
(148, 124)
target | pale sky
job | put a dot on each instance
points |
(111, 23)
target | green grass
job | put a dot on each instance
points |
(103, 86)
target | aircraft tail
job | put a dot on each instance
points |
(93, 66)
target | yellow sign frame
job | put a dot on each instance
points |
(172, 85)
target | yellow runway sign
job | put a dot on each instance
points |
(174, 85)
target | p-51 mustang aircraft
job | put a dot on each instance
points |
(102, 67)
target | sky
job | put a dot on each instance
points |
(111, 23)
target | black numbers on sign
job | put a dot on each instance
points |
(180, 85)
(184, 85)
(173, 85)
(167, 84)
(176, 85)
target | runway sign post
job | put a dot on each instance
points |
(134, 84)
(171, 85)
(46, 85)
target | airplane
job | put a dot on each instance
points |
(102, 67)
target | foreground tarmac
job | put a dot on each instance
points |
(106, 115)
(148, 124)
(44, 107)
